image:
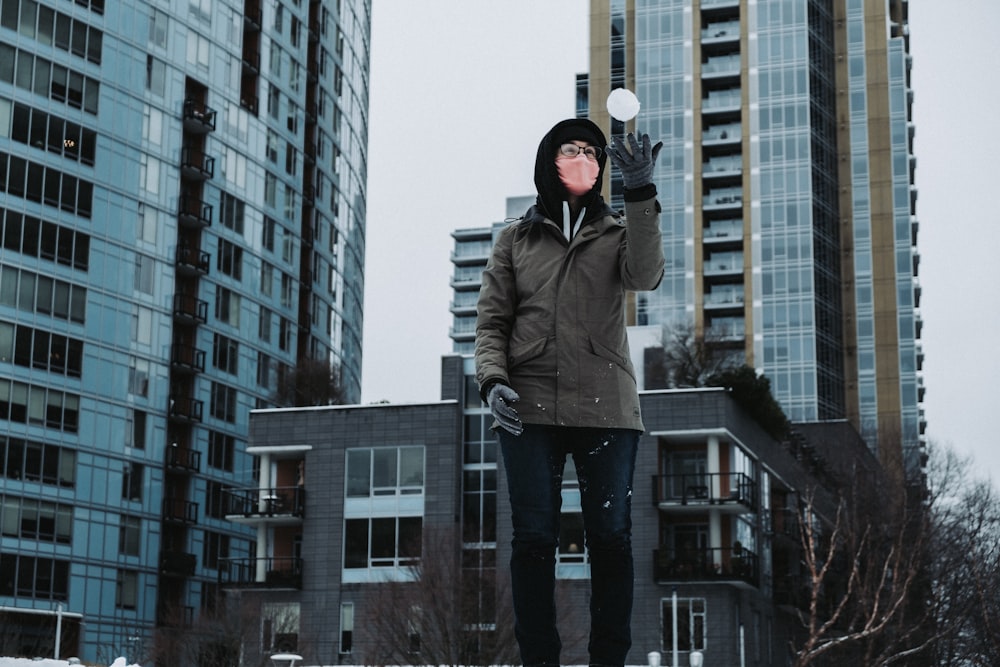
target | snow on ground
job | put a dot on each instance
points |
(49, 662)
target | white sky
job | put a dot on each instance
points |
(463, 90)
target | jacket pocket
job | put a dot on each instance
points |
(606, 352)
(523, 352)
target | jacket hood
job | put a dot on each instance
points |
(551, 191)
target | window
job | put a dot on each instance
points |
(144, 274)
(690, 624)
(225, 353)
(215, 547)
(385, 471)
(156, 76)
(132, 482)
(197, 49)
(215, 500)
(129, 531)
(40, 578)
(346, 627)
(266, 278)
(127, 589)
(30, 519)
(231, 212)
(142, 325)
(39, 462)
(287, 290)
(138, 433)
(382, 542)
(263, 370)
(268, 233)
(220, 450)
(285, 327)
(158, 28)
(138, 377)
(264, 326)
(229, 259)
(223, 404)
(227, 306)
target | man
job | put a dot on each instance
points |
(550, 339)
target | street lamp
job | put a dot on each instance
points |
(696, 658)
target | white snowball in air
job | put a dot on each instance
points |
(623, 105)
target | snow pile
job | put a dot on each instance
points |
(50, 662)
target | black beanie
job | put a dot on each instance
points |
(579, 129)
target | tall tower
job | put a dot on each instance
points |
(182, 207)
(786, 181)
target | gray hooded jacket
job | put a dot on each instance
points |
(551, 311)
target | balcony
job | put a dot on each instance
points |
(722, 300)
(198, 118)
(187, 358)
(722, 199)
(722, 102)
(732, 565)
(177, 563)
(246, 572)
(721, 168)
(188, 308)
(720, 67)
(195, 165)
(252, 16)
(184, 409)
(721, 135)
(720, 32)
(192, 213)
(274, 505)
(183, 458)
(178, 510)
(192, 261)
(727, 491)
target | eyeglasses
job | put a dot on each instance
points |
(572, 150)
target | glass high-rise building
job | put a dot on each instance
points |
(786, 180)
(182, 210)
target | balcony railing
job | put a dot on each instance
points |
(198, 117)
(193, 260)
(720, 488)
(184, 408)
(261, 572)
(724, 564)
(177, 563)
(188, 307)
(187, 358)
(721, 65)
(191, 212)
(180, 510)
(183, 458)
(195, 164)
(273, 501)
(723, 30)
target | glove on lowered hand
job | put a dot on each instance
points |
(637, 166)
(499, 398)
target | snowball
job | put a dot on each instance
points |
(623, 105)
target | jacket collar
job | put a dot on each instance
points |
(595, 223)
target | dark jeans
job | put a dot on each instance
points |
(605, 461)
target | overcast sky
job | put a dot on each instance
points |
(463, 90)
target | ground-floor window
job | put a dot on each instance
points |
(690, 624)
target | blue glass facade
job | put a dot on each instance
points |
(182, 207)
(767, 179)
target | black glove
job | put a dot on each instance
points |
(499, 398)
(637, 166)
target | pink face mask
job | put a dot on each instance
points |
(578, 173)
